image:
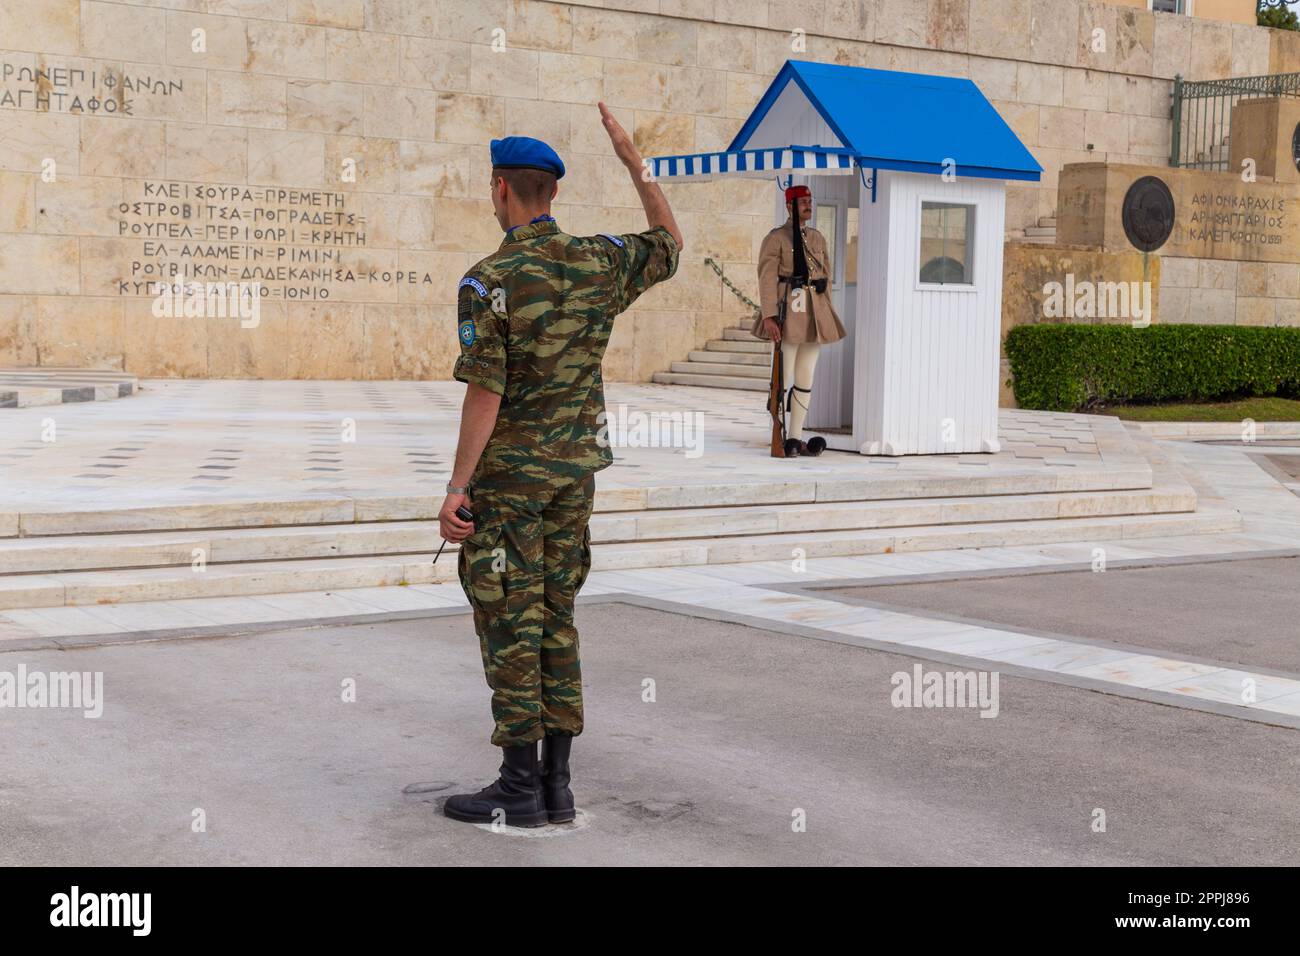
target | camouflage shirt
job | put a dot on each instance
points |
(534, 319)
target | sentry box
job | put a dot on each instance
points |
(908, 175)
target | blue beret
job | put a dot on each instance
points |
(524, 152)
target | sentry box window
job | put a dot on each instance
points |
(947, 244)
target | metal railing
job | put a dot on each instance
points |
(1202, 115)
(732, 286)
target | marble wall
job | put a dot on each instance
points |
(337, 148)
(1233, 257)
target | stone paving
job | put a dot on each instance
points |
(1282, 463)
(198, 441)
(762, 594)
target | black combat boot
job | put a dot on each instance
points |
(517, 792)
(555, 778)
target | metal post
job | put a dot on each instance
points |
(1176, 114)
(1219, 114)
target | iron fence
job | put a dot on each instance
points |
(1202, 115)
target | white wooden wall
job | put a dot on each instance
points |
(792, 120)
(931, 355)
(832, 398)
(871, 342)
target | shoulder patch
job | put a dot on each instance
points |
(474, 284)
(466, 332)
(614, 239)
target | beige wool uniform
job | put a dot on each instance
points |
(818, 321)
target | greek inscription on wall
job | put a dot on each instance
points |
(66, 89)
(1218, 218)
(293, 244)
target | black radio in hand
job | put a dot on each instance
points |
(464, 514)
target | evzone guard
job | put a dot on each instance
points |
(794, 274)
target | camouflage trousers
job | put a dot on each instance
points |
(521, 569)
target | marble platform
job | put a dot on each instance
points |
(1261, 515)
(197, 442)
(48, 385)
(199, 489)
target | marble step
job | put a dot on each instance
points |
(270, 577)
(138, 550)
(740, 335)
(753, 346)
(1035, 232)
(314, 511)
(228, 580)
(785, 547)
(274, 512)
(731, 358)
(711, 381)
(694, 367)
(1047, 222)
(25, 387)
(875, 515)
(231, 546)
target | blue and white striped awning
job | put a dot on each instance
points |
(875, 119)
(754, 163)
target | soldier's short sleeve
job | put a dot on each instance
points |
(482, 334)
(642, 259)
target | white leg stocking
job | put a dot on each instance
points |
(798, 363)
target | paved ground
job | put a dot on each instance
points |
(768, 702)
(1289, 465)
(197, 441)
(1242, 612)
(748, 725)
(1284, 465)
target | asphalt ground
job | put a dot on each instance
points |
(749, 733)
(1240, 612)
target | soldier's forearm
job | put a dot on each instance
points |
(478, 418)
(655, 204)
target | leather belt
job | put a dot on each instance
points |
(819, 285)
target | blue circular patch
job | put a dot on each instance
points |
(467, 332)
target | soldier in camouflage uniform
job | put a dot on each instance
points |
(534, 319)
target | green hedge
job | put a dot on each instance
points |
(1078, 367)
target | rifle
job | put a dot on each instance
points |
(776, 388)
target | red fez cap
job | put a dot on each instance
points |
(794, 192)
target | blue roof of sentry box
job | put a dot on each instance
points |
(904, 121)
